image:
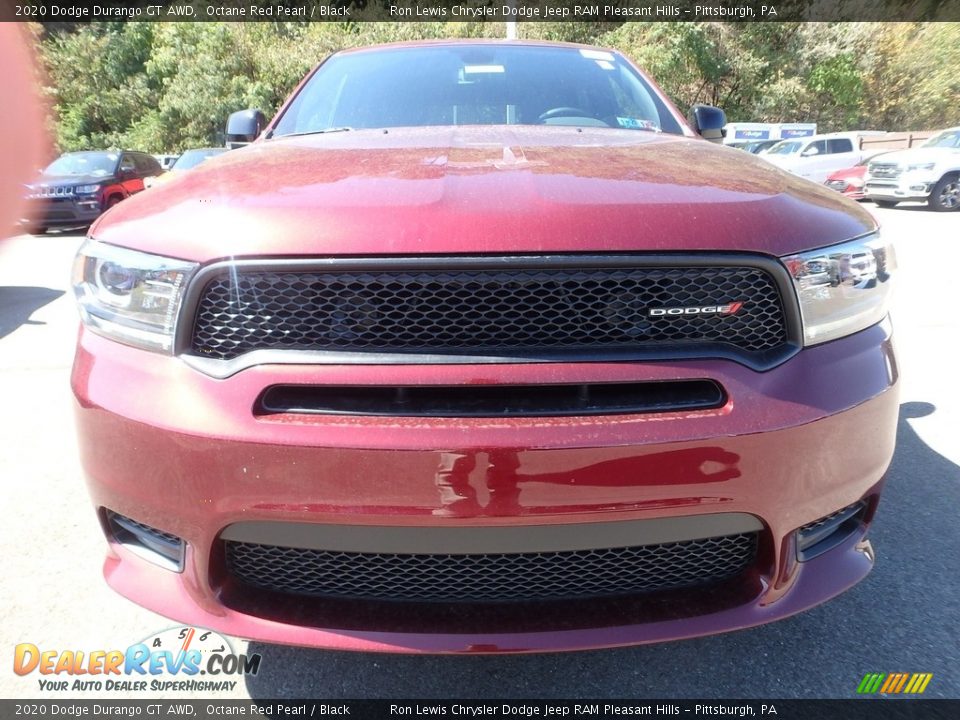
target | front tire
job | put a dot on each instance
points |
(946, 194)
(886, 203)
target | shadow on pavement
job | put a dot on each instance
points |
(902, 618)
(17, 304)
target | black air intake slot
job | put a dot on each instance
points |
(493, 400)
(828, 532)
(159, 547)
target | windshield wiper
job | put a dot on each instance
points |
(313, 132)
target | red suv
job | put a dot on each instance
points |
(479, 347)
(76, 188)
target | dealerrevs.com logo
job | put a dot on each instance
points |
(171, 660)
(729, 309)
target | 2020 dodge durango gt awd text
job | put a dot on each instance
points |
(480, 348)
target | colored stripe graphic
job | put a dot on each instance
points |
(890, 682)
(894, 683)
(870, 683)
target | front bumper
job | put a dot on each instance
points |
(182, 452)
(61, 211)
(852, 191)
(908, 187)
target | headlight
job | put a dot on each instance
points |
(843, 288)
(130, 296)
(921, 166)
(86, 189)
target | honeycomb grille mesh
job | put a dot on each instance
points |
(494, 577)
(551, 310)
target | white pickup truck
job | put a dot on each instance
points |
(930, 172)
(818, 156)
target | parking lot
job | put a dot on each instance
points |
(903, 618)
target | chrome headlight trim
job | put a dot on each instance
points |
(843, 288)
(130, 296)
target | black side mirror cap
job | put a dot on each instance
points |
(244, 127)
(708, 121)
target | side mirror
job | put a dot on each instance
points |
(708, 121)
(810, 151)
(244, 127)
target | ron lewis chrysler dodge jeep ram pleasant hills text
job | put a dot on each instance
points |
(483, 347)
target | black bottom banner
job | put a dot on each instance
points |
(864, 709)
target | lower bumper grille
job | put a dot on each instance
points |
(567, 575)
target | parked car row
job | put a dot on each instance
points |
(78, 187)
(929, 173)
(754, 147)
(816, 157)
(187, 161)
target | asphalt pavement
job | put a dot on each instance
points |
(904, 617)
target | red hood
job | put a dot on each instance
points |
(481, 190)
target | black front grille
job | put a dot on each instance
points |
(572, 574)
(547, 312)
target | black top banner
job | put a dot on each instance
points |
(58, 11)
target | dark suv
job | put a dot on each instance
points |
(77, 187)
(479, 347)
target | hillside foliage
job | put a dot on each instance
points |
(163, 87)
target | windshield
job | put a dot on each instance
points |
(192, 158)
(475, 85)
(946, 139)
(100, 164)
(785, 148)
